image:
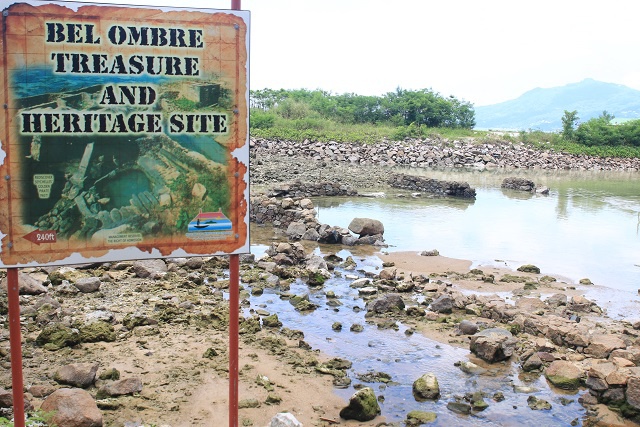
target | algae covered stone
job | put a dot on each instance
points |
(418, 418)
(564, 375)
(55, 336)
(363, 406)
(426, 387)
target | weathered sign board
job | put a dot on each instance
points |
(124, 133)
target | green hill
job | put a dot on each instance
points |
(542, 109)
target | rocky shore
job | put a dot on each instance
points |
(144, 343)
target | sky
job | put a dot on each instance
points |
(483, 52)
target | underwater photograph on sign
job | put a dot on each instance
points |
(125, 133)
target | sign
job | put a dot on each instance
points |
(124, 133)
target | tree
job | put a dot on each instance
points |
(569, 122)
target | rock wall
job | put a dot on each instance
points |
(433, 186)
(430, 152)
(307, 189)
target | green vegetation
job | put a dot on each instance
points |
(322, 116)
(318, 115)
(33, 419)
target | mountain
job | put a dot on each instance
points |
(542, 109)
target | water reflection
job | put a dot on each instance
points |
(586, 227)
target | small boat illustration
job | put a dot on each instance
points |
(210, 221)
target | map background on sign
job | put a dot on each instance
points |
(100, 192)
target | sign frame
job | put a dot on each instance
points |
(201, 100)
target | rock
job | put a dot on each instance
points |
(151, 268)
(80, 375)
(538, 404)
(388, 273)
(55, 336)
(556, 300)
(418, 418)
(271, 321)
(432, 252)
(27, 285)
(363, 406)
(529, 268)
(72, 408)
(120, 388)
(533, 363)
(459, 407)
(6, 398)
(442, 304)
(87, 285)
(633, 392)
(470, 367)
(493, 345)
(602, 345)
(385, 304)
(564, 375)
(296, 230)
(426, 387)
(284, 419)
(248, 403)
(366, 227)
(520, 184)
(97, 331)
(467, 327)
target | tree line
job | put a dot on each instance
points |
(600, 131)
(403, 107)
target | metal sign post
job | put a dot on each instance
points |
(13, 291)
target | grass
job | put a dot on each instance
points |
(323, 130)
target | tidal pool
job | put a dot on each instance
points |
(407, 356)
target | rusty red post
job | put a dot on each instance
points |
(234, 320)
(15, 342)
(234, 308)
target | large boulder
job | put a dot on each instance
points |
(363, 406)
(426, 387)
(72, 407)
(366, 227)
(493, 345)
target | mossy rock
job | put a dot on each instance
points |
(273, 399)
(418, 418)
(97, 331)
(529, 268)
(110, 374)
(271, 321)
(316, 279)
(564, 383)
(56, 336)
(510, 278)
(530, 286)
(363, 406)
(249, 325)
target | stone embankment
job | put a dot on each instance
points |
(299, 218)
(433, 186)
(435, 152)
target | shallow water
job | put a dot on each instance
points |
(407, 357)
(587, 227)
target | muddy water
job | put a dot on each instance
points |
(407, 356)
